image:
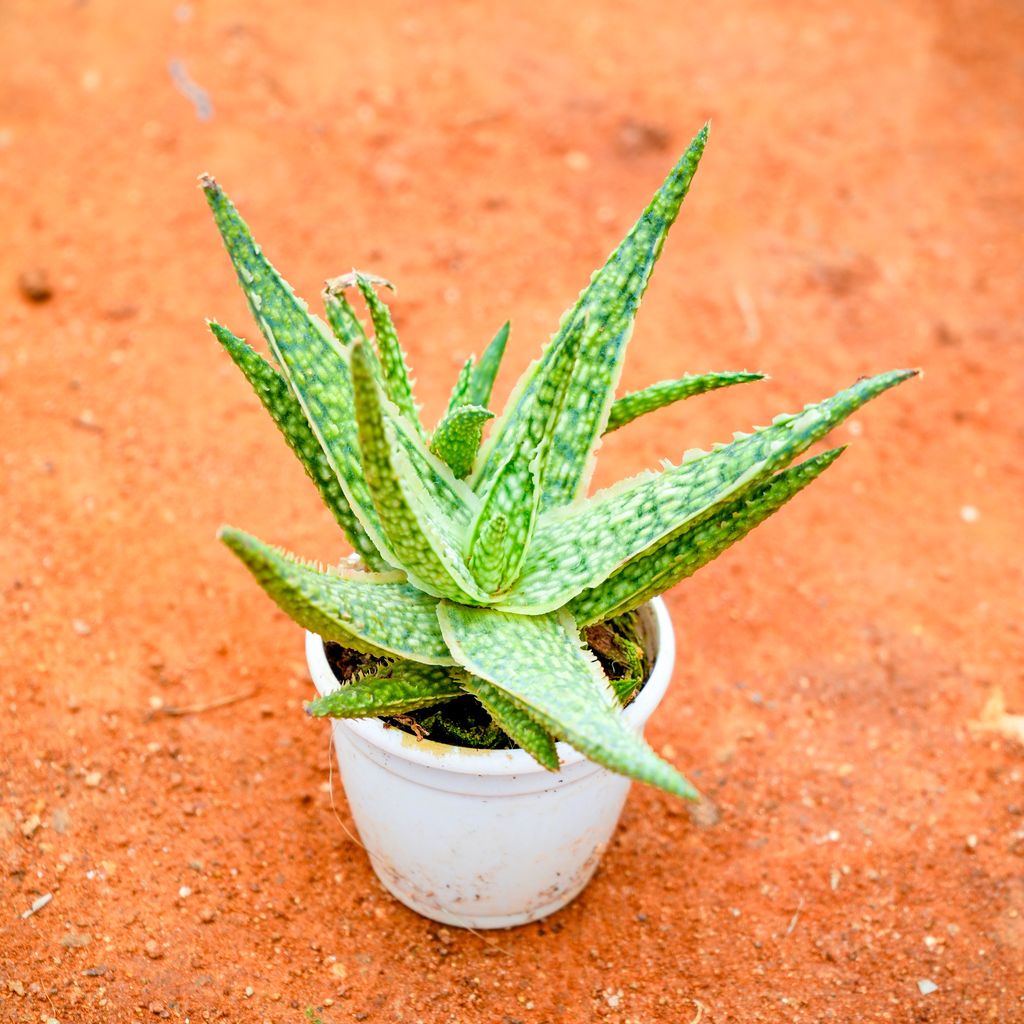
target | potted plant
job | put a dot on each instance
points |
(492, 603)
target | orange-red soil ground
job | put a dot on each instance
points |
(861, 206)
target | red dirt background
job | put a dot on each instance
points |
(860, 207)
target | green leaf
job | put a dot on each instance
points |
(578, 547)
(425, 543)
(511, 503)
(341, 316)
(682, 553)
(316, 367)
(665, 392)
(538, 662)
(483, 374)
(462, 385)
(457, 438)
(514, 720)
(601, 323)
(394, 689)
(314, 363)
(277, 399)
(376, 613)
(506, 521)
(394, 371)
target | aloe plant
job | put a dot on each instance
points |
(483, 560)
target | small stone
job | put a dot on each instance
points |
(971, 842)
(184, 892)
(60, 821)
(206, 915)
(75, 941)
(34, 285)
(81, 627)
(29, 826)
(93, 779)
(157, 1009)
(249, 991)
(926, 987)
(16, 987)
(339, 971)
(577, 160)
(95, 972)
(969, 514)
(153, 950)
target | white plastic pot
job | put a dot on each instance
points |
(484, 838)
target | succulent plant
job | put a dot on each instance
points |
(482, 560)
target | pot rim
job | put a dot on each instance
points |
(467, 760)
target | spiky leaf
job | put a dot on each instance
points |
(314, 364)
(424, 542)
(457, 438)
(316, 367)
(505, 523)
(394, 689)
(277, 399)
(342, 317)
(511, 502)
(538, 661)
(376, 613)
(665, 392)
(462, 385)
(601, 322)
(514, 720)
(394, 371)
(682, 553)
(483, 374)
(579, 547)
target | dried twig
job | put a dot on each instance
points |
(195, 709)
(795, 918)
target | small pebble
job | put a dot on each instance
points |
(81, 627)
(969, 514)
(971, 842)
(74, 941)
(95, 972)
(16, 987)
(249, 991)
(29, 826)
(153, 950)
(93, 779)
(206, 915)
(926, 987)
(184, 892)
(35, 285)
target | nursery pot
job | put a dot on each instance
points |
(484, 838)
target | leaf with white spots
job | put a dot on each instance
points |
(376, 613)
(316, 368)
(457, 438)
(512, 717)
(393, 689)
(580, 546)
(665, 392)
(423, 541)
(682, 553)
(538, 662)
(342, 317)
(482, 376)
(600, 323)
(394, 372)
(277, 399)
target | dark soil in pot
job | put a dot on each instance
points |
(617, 644)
